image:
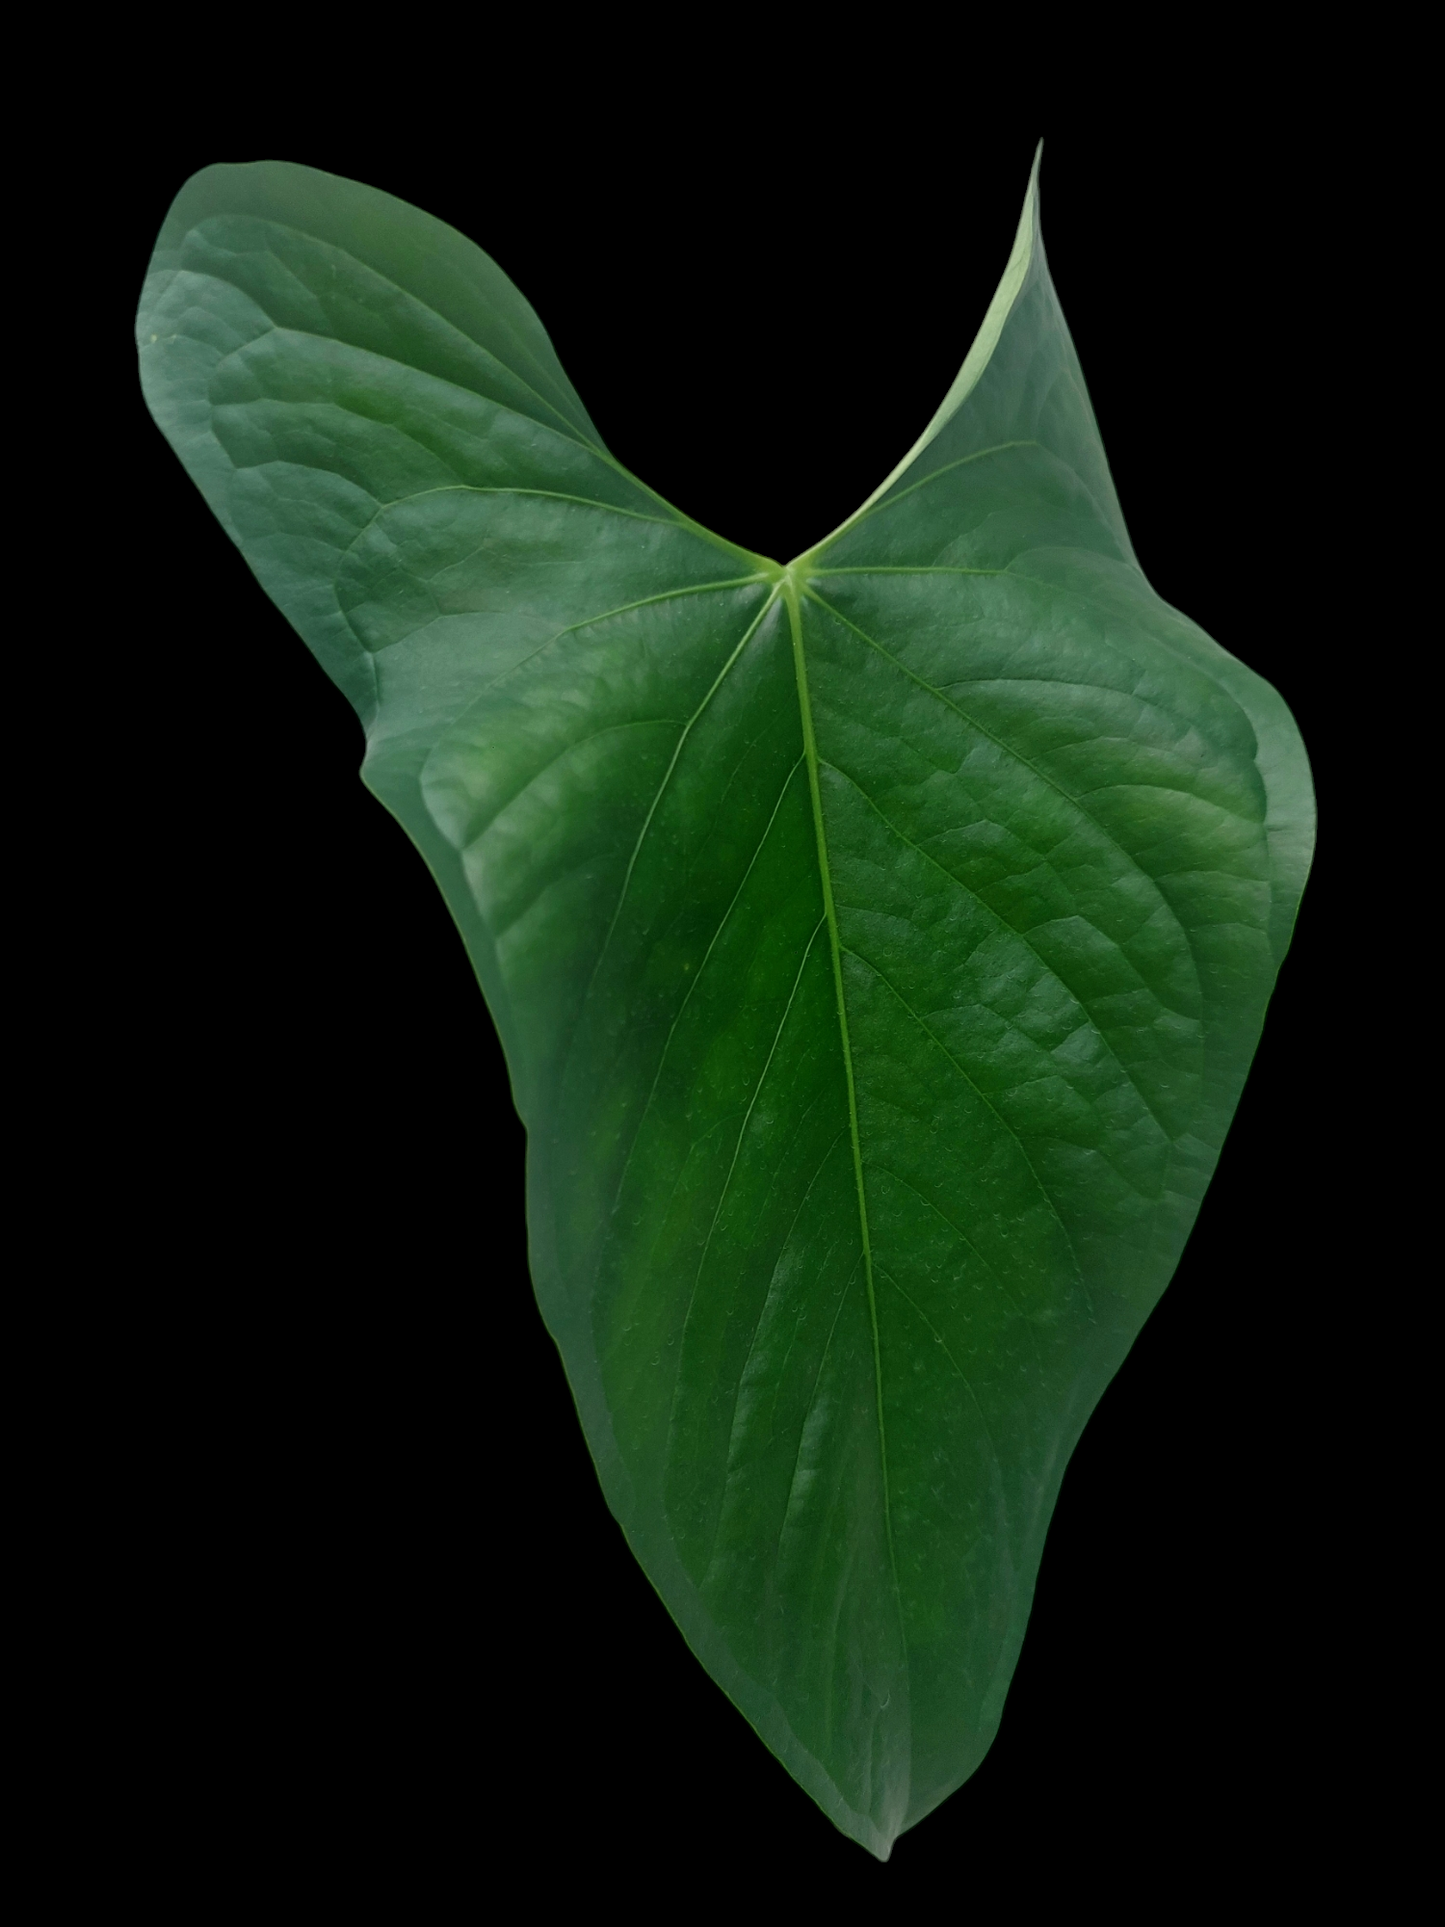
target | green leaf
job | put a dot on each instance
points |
(878, 943)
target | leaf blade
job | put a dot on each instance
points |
(878, 945)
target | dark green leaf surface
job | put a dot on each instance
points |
(878, 943)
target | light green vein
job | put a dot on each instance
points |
(727, 1181)
(687, 729)
(476, 488)
(693, 981)
(879, 499)
(593, 622)
(899, 568)
(810, 752)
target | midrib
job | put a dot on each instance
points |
(789, 587)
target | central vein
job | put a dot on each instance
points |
(810, 752)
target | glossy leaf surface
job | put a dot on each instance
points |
(878, 943)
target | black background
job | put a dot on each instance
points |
(379, 1632)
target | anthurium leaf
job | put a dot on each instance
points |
(878, 943)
